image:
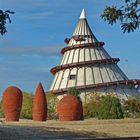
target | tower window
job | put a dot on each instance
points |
(72, 77)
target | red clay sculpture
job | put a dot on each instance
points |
(12, 103)
(69, 108)
(39, 109)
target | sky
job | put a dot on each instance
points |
(32, 45)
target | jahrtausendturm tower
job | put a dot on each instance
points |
(87, 66)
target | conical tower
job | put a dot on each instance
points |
(87, 66)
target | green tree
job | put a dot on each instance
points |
(4, 17)
(91, 108)
(73, 91)
(1, 110)
(128, 15)
(26, 111)
(131, 107)
(52, 103)
(110, 108)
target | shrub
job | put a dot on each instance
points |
(110, 108)
(52, 103)
(131, 108)
(1, 110)
(26, 111)
(91, 107)
(73, 91)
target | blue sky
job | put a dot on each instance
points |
(34, 39)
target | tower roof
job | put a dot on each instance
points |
(83, 14)
(82, 33)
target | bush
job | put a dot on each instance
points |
(52, 103)
(26, 111)
(73, 91)
(91, 108)
(131, 108)
(1, 110)
(110, 108)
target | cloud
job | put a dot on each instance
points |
(30, 10)
(24, 4)
(37, 15)
(42, 51)
(31, 5)
(6, 42)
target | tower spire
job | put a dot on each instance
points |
(83, 14)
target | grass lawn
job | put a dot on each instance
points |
(54, 129)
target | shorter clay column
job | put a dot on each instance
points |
(69, 108)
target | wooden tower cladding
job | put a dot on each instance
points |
(87, 66)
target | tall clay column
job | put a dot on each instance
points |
(12, 103)
(39, 110)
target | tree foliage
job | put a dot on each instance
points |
(127, 15)
(103, 107)
(1, 110)
(131, 107)
(4, 17)
(73, 91)
(110, 108)
(52, 103)
(91, 108)
(26, 111)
